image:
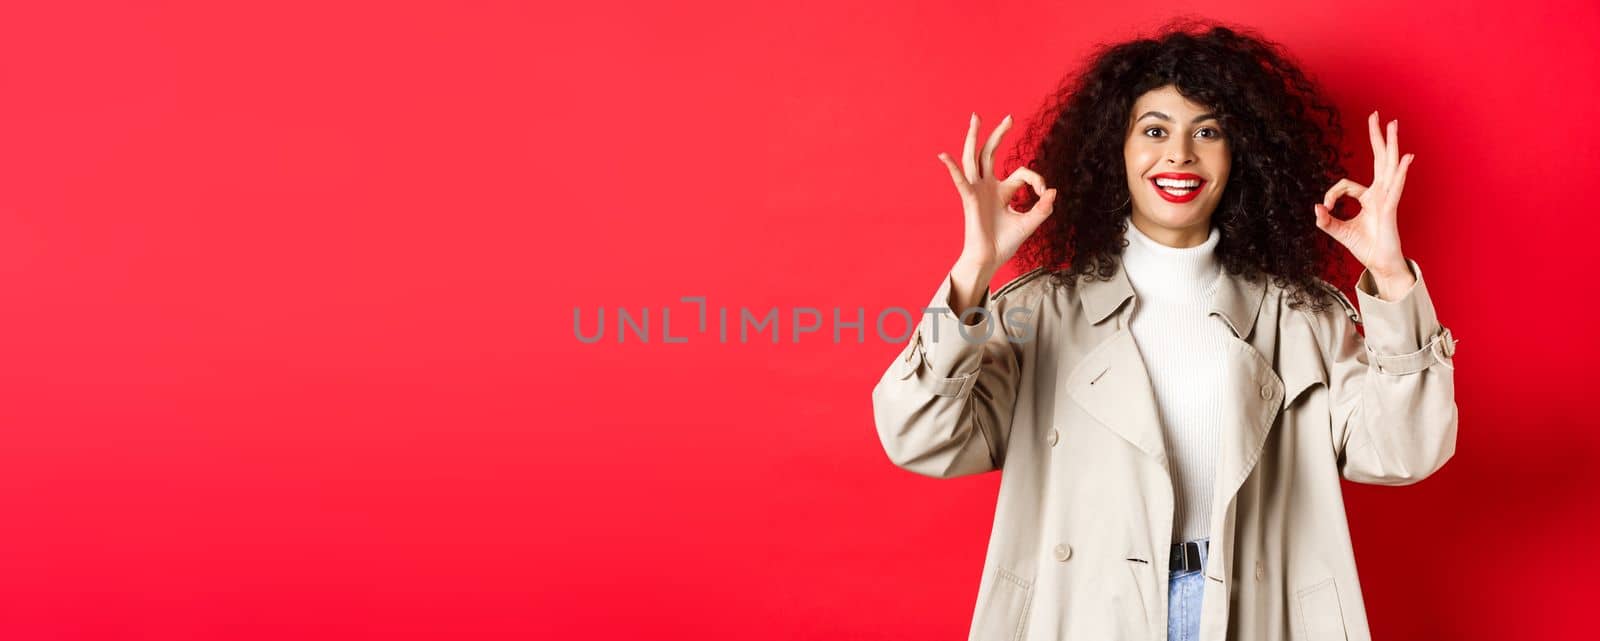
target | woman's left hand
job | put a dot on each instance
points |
(1373, 235)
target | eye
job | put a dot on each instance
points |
(1159, 132)
(1208, 132)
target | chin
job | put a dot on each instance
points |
(1179, 216)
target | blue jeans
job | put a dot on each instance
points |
(1183, 602)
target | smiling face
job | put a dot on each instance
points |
(1177, 161)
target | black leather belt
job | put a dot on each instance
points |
(1186, 555)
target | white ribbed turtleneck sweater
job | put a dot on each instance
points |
(1184, 352)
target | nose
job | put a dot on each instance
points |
(1179, 154)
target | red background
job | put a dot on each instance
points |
(288, 346)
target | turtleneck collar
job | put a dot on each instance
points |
(1159, 271)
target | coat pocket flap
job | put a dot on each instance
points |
(1321, 618)
(1003, 607)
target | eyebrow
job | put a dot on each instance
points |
(1147, 114)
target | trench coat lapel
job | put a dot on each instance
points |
(1112, 385)
(1110, 382)
(1257, 394)
(1251, 410)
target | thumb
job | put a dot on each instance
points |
(1327, 223)
(1041, 210)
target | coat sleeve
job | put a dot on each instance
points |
(1393, 391)
(943, 408)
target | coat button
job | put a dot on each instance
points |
(1266, 391)
(1055, 436)
(1261, 570)
(1063, 552)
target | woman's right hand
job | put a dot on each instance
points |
(994, 231)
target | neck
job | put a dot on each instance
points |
(1181, 237)
(1159, 270)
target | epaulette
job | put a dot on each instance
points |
(1020, 280)
(1349, 308)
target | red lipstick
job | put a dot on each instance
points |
(1193, 193)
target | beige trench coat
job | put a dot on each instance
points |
(1058, 399)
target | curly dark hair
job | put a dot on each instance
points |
(1283, 141)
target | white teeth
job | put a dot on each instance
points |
(1168, 182)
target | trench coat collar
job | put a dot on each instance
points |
(1112, 384)
(1237, 300)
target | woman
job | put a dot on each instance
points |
(1172, 391)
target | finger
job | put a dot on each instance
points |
(1327, 223)
(1030, 177)
(1393, 157)
(1345, 187)
(969, 151)
(955, 175)
(1041, 210)
(1379, 149)
(994, 143)
(1397, 183)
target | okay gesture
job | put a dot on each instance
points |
(1373, 235)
